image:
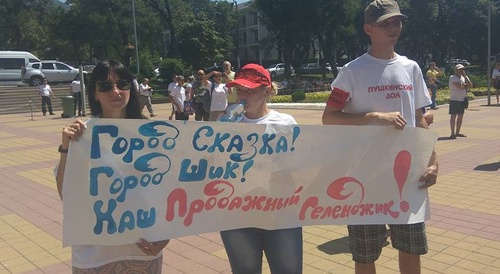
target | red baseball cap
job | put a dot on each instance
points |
(251, 76)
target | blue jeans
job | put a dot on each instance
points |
(283, 248)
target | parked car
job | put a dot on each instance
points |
(54, 71)
(314, 68)
(12, 63)
(450, 63)
(278, 69)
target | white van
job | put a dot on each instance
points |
(12, 63)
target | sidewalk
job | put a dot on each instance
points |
(463, 233)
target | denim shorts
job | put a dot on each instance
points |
(366, 241)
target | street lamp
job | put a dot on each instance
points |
(135, 37)
(490, 7)
(236, 35)
(166, 40)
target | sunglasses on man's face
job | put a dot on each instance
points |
(107, 86)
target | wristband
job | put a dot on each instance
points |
(61, 150)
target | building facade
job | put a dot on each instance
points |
(253, 42)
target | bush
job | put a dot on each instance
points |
(171, 66)
(478, 80)
(317, 97)
(311, 97)
(443, 95)
(281, 99)
(298, 95)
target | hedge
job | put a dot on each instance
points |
(443, 96)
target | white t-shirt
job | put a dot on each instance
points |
(44, 90)
(75, 86)
(171, 86)
(179, 95)
(369, 84)
(145, 90)
(495, 74)
(219, 96)
(273, 117)
(90, 256)
(456, 93)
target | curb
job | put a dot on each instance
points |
(321, 106)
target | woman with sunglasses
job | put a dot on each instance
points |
(111, 95)
(244, 247)
(218, 93)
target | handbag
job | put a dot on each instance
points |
(466, 102)
(188, 107)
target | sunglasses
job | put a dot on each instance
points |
(107, 86)
(252, 75)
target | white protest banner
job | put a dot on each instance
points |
(132, 179)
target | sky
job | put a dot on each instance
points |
(238, 1)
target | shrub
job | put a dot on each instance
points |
(298, 96)
(317, 97)
(281, 99)
(171, 66)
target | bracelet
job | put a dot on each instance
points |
(62, 150)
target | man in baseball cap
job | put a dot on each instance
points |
(362, 94)
(380, 10)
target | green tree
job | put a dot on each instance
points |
(291, 21)
(23, 25)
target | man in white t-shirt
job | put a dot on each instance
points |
(177, 97)
(386, 89)
(169, 89)
(45, 92)
(145, 92)
(458, 83)
(76, 90)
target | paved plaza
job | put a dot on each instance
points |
(464, 231)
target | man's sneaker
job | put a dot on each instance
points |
(153, 115)
(52, 113)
